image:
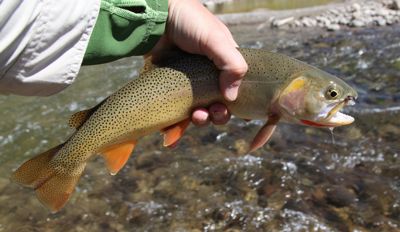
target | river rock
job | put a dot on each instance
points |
(356, 7)
(357, 15)
(333, 27)
(380, 22)
(343, 21)
(281, 22)
(357, 23)
(308, 22)
(340, 196)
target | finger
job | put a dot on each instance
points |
(229, 60)
(219, 114)
(200, 117)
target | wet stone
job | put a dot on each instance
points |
(340, 196)
(241, 146)
(354, 133)
(390, 130)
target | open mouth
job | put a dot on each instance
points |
(334, 117)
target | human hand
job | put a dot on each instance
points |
(192, 28)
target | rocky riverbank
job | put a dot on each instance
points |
(358, 14)
(334, 16)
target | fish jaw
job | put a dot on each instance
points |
(333, 118)
(339, 119)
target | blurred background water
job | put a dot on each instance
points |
(300, 181)
(233, 6)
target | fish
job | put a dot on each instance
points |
(276, 88)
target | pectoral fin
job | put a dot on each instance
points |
(292, 98)
(264, 134)
(173, 133)
(117, 155)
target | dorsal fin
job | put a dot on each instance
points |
(148, 64)
(158, 59)
(78, 118)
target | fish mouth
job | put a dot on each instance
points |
(334, 117)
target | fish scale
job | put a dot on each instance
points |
(162, 98)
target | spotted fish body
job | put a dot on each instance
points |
(162, 99)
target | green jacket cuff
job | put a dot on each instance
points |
(126, 28)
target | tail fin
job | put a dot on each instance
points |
(52, 187)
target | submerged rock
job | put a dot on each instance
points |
(340, 196)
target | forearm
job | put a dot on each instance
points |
(43, 43)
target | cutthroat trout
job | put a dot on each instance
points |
(275, 88)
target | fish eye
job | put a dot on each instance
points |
(331, 93)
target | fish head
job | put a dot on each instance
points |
(315, 98)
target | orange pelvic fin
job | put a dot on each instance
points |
(173, 133)
(117, 155)
(53, 187)
(264, 134)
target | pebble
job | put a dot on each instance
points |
(357, 23)
(333, 27)
(308, 22)
(281, 22)
(381, 22)
(357, 15)
(356, 7)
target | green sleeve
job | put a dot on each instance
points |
(126, 28)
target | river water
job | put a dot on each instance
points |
(300, 181)
(233, 6)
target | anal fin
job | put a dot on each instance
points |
(173, 133)
(264, 134)
(117, 155)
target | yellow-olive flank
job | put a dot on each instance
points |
(275, 88)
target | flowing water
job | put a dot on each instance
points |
(300, 181)
(233, 6)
